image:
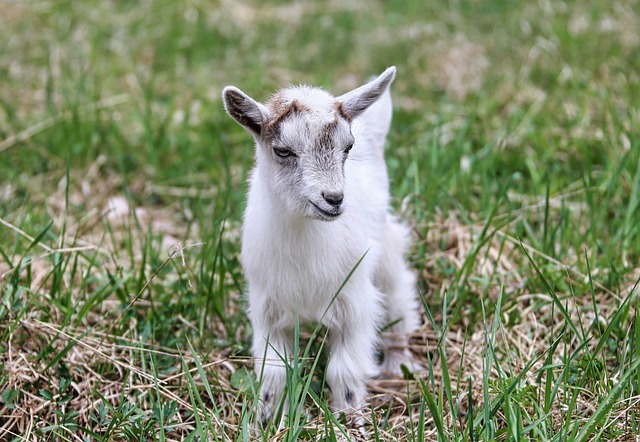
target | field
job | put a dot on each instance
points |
(514, 155)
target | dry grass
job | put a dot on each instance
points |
(515, 143)
(91, 346)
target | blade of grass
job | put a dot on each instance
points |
(553, 294)
(605, 407)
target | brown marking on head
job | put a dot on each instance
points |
(325, 138)
(343, 112)
(281, 111)
(276, 104)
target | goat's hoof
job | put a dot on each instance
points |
(394, 361)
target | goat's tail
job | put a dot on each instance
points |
(372, 126)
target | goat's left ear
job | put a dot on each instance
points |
(358, 100)
(245, 110)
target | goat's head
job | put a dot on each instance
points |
(303, 137)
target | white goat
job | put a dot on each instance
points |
(318, 204)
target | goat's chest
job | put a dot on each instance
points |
(300, 272)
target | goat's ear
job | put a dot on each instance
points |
(244, 109)
(358, 100)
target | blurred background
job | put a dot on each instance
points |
(139, 83)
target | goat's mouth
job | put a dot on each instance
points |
(327, 215)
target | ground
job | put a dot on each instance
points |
(514, 155)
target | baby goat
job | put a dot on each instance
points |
(318, 209)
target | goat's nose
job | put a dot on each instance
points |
(333, 198)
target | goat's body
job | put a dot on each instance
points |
(298, 265)
(297, 271)
(348, 274)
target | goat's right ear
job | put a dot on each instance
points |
(244, 109)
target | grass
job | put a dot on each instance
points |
(514, 154)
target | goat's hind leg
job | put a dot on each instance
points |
(400, 301)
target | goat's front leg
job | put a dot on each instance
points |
(352, 362)
(271, 350)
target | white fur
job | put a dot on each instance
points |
(296, 256)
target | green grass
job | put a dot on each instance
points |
(514, 153)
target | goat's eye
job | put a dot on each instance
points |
(348, 148)
(283, 153)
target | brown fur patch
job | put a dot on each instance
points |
(281, 111)
(276, 105)
(343, 112)
(325, 140)
(293, 107)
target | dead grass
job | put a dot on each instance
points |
(533, 87)
(90, 346)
